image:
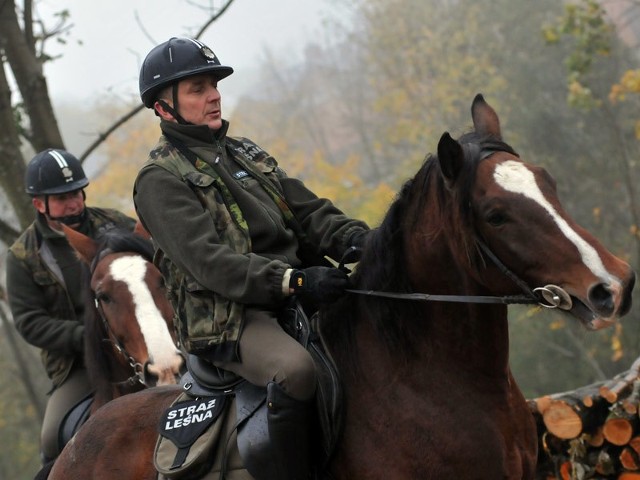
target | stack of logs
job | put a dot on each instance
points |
(592, 432)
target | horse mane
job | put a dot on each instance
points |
(96, 357)
(381, 264)
(118, 240)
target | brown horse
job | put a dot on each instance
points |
(427, 385)
(130, 341)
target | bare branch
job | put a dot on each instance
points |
(214, 18)
(122, 120)
(142, 28)
(103, 136)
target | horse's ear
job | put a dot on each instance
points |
(485, 119)
(141, 231)
(86, 247)
(451, 158)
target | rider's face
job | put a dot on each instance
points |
(199, 101)
(61, 205)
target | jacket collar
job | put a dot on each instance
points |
(195, 135)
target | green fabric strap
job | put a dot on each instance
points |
(229, 201)
(271, 189)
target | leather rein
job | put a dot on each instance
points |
(549, 296)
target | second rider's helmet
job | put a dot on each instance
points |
(52, 172)
(173, 60)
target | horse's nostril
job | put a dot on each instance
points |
(602, 300)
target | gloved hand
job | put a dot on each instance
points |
(322, 284)
(354, 252)
(358, 239)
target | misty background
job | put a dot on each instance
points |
(351, 95)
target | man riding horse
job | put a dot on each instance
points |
(236, 238)
(44, 281)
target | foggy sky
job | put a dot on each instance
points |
(113, 45)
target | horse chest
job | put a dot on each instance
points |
(396, 432)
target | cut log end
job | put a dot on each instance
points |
(562, 421)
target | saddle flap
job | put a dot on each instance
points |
(189, 432)
(184, 422)
(74, 419)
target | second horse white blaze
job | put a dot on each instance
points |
(163, 354)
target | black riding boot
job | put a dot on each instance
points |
(289, 423)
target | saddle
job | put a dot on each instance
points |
(225, 408)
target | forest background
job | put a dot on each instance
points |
(354, 116)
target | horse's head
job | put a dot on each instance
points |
(130, 297)
(512, 207)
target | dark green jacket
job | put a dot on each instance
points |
(46, 310)
(225, 241)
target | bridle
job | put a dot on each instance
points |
(549, 296)
(139, 370)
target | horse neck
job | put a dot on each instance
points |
(472, 336)
(440, 264)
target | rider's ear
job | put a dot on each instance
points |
(161, 110)
(451, 158)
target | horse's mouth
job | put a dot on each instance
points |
(588, 318)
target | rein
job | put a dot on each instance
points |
(427, 297)
(549, 296)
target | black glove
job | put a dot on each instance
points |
(358, 239)
(322, 284)
(354, 252)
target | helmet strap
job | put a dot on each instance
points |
(67, 219)
(71, 219)
(174, 110)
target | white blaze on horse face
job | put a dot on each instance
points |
(515, 177)
(131, 270)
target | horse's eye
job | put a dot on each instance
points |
(103, 297)
(496, 219)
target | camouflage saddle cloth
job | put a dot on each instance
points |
(217, 428)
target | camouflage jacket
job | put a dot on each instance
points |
(45, 312)
(227, 223)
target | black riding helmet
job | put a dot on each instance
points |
(173, 60)
(53, 172)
